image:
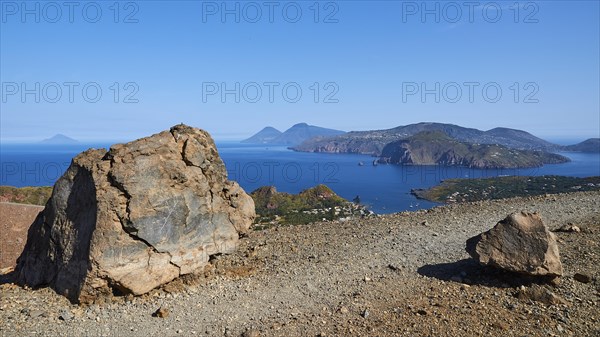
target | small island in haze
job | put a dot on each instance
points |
(295, 135)
(59, 139)
(591, 145)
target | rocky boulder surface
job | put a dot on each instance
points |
(520, 243)
(135, 217)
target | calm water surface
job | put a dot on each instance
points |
(385, 188)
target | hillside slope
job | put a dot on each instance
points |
(396, 275)
(437, 148)
(295, 135)
(591, 145)
(264, 136)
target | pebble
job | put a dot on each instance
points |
(583, 278)
(65, 315)
(393, 267)
(569, 228)
(37, 313)
(161, 313)
(500, 325)
(251, 333)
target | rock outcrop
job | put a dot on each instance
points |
(520, 243)
(135, 217)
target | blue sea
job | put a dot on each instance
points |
(384, 188)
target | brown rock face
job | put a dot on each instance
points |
(520, 243)
(135, 217)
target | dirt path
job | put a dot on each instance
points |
(394, 275)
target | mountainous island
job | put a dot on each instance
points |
(443, 144)
(264, 136)
(373, 142)
(59, 139)
(437, 148)
(293, 136)
(591, 145)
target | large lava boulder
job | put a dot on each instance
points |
(135, 217)
(520, 243)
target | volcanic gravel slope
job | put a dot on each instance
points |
(394, 275)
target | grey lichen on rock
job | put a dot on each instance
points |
(135, 217)
(520, 243)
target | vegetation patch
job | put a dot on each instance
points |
(32, 195)
(314, 204)
(465, 190)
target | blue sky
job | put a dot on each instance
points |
(370, 59)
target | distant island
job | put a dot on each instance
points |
(448, 144)
(264, 136)
(373, 142)
(429, 143)
(591, 145)
(59, 139)
(295, 135)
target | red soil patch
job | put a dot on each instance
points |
(15, 220)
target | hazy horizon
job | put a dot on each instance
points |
(560, 140)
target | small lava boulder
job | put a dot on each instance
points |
(520, 243)
(133, 218)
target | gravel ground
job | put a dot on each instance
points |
(393, 275)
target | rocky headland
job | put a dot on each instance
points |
(437, 148)
(311, 205)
